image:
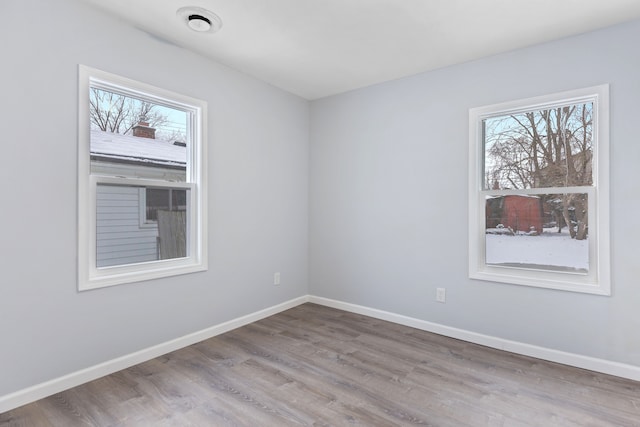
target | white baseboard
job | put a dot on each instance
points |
(585, 362)
(39, 391)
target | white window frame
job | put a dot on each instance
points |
(144, 222)
(92, 277)
(597, 280)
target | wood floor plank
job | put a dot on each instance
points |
(318, 366)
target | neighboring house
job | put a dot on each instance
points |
(127, 216)
(517, 212)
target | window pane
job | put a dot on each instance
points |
(539, 148)
(136, 138)
(157, 199)
(169, 199)
(178, 200)
(543, 231)
(125, 236)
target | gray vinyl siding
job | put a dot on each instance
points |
(120, 238)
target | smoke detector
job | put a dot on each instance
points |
(199, 19)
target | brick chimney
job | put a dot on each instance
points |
(143, 130)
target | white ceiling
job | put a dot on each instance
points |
(316, 48)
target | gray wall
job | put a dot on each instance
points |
(388, 197)
(258, 171)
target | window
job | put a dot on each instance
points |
(141, 181)
(538, 191)
(167, 199)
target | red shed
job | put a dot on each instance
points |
(520, 213)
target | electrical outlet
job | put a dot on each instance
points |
(276, 279)
(441, 294)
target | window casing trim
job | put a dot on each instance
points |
(597, 280)
(92, 277)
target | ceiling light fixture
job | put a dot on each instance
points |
(199, 23)
(199, 19)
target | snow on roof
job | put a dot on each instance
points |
(533, 196)
(107, 145)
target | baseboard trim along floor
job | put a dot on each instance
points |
(39, 391)
(571, 359)
(56, 385)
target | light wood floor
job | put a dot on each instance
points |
(316, 366)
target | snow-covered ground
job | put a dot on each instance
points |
(551, 249)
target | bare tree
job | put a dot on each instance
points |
(118, 113)
(172, 134)
(544, 149)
